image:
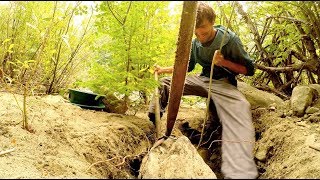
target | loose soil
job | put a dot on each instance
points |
(70, 142)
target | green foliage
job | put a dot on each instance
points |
(194, 100)
(129, 43)
(40, 43)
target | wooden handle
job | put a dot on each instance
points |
(157, 108)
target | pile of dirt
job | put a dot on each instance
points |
(68, 141)
(71, 142)
(287, 147)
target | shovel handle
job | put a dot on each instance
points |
(157, 107)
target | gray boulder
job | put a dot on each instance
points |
(301, 98)
(258, 98)
(175, 159)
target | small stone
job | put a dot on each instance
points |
(203, 153)
(311, 110)
(314, 119)
(310, 139)
(272, 108)
(261, 154)
(282, 114)
(214, 157)
(302, 123)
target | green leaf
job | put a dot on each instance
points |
(6, 40)
(32, 26)
(47, 19)
(10, 48)
(65, 38)
(98, 96)
(31, 61)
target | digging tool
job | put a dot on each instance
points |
(157, 107)
(187, 25)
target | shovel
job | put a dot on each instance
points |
(157, 108)
(160, 140)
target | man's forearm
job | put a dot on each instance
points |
(219, 60)
(237, 68)
(167, 70)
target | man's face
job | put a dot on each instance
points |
(204, 32)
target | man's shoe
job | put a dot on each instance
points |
(152, 117)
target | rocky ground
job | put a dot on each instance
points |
(70, 142)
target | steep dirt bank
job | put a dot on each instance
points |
(70, 142)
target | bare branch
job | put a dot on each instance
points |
(114, 14)
(280, 69)
(125, 18)
(289, 18)
(298, 55)
(277, 92)
(292, 81)
(6, 151)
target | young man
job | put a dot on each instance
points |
(233, 109)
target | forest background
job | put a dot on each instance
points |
(110, 48)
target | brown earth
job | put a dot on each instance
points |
(71, 142)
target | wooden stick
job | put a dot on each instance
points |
(7, 151)
(210, 81)
(315, 147)
(157, 110)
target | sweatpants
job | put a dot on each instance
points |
(234, 112)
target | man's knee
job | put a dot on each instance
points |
(245, 103)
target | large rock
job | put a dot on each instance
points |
(175, 159)
(301, 98)
(114, 105)
(316, 103)
(258, 98)
(315, 87)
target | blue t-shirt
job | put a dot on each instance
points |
(232, 49)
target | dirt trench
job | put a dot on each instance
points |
(71, 142)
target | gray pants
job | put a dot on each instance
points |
(234, 112)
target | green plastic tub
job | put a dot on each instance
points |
(86, 100)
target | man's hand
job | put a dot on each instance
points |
(161, 70)
(218, 58)
(157, 69)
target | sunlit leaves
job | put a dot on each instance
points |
(147, 37)
(6, 40)
(83, 9)
(10, 49)
(32, 26)
(65, 39)
(40, 31)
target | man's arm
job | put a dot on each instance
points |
(240, 63)
(169, 70)
(161, 70)
(219, 60)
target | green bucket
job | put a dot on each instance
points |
(86, 100)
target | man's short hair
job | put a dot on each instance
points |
(204, 11)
